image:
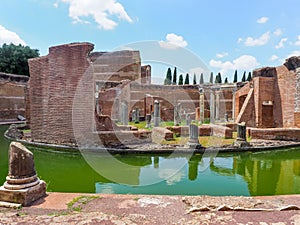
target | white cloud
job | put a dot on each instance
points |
(240, 40)
(244, 62)
(222, 55)
(273, 58)
(262, 40)
(278, 32)
(173, 41)
(281, 43)
(298, 41)
(294, 53)
(7, 36)
(262, 20)
(100, 10)
(55, 5)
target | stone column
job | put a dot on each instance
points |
(133, 116)
(124, 113)
(156, 117)
(22, 185)
(217, 109)
(297, 100)
(233, 103)
(187, 119)
(193, 142)
(148, 120)
(137, 115)
(212, 106)
(202, 109)
(177, 117)
(241, 140)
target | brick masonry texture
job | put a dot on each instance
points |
(274, 102)
(12, 102)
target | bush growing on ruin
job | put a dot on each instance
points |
(14, 58)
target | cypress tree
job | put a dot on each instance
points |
(211, 77)
(249, 76)
(187, 79)
(180, 80)
(235, 77)
(168, 79)
(244, 77)
(194, 80)
(175, 77)
(201, 79)
(226, 80)
(219, 78)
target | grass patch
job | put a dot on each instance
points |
(205, 141)
(26, 131)
(76, 203)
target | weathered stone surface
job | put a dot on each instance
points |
(265, 72)
(292, 63)
(22, 185)
(21, 163)
(160, 134)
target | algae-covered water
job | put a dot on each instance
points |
(263, 173)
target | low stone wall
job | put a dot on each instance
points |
(160, 134)
(287, 134)
(204, 130)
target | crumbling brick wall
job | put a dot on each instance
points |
(53, 82)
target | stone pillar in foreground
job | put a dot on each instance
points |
(241, 140)
(148, 120)
(193, 142)
(156, 117)
(22, 185)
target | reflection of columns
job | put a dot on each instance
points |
(217, 109)
(212, 106)
(233, 104)
(156, 162)
(201, 107)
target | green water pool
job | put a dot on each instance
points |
(247, 174)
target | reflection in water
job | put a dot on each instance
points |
(264, 173)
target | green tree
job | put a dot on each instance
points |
(175, 76)
(14, 58)
(168, 79)
(211, 77)
(235, 77)
(218, 79)
(244, 77)
(187, 79)
(249, 78)
(226, 80)
(201, 79)
(180, 81)
(194, 80)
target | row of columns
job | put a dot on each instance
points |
(215, 104)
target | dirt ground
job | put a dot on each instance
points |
(67, 208)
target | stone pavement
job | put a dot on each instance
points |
(69, 208)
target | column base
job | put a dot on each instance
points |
(24, 196)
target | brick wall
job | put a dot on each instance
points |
(53, 82)
(12, 102)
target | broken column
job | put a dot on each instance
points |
(148, 120)
(241, 140)
(193, 142)
(156, 117)
(22, 185)
(177, 117)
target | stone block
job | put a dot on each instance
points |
(160, 134)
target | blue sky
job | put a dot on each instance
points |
(224, 34)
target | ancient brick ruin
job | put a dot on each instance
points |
(76, 95)
(12, 96)
(271, 99)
